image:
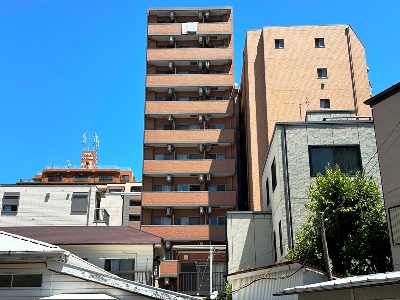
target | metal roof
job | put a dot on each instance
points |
(345, 283)
(15, 243)
(79, 296)
(86, 235)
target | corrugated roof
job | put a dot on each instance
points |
(344, 283)
(15, 243)
(85, 235)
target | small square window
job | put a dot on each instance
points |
(319, 43)
(279, 44)
(324, 103)
(322, 73)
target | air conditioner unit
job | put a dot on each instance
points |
(169, 178)
(207, 117)
(170, 118)
(207, 90)
(167, 281)
(207, 14)
(208, 177)
(209, 210)
(201, 177)
(171, 92)
(171, 40)
(168, 245)
(171, 65)
(201, 40)
(207, 40)
(201, 147)
(202, 210)
(201, 15)
(201, 118)
(207, 147)
(200, 64)
(201, 91)
(168, 211)
(207, 64)
(172, 15)
(170, 148)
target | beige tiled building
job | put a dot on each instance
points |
(288, 70)
(189, 167)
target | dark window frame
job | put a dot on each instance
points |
(322, 73)
(267, 191)
(273, 175)
(279, 44)
(318, 44)
(325, 101)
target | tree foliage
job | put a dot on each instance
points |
(355, 224)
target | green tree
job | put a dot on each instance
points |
(355, 224)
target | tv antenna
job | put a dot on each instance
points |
(84, 141)
(96, 142)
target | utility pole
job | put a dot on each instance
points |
(211, 268)
(325, 246)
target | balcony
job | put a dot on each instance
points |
(169, 268)
(220, 107)
(189, 199)
(192, 283)
(222, 137)
(222, 81)
(101, 216)
(217, 167)
(134, 224)
(192, 54)
(175, 29)
(135, 210)
(187, 232)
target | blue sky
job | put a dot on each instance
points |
(69, 67)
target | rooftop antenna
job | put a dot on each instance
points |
(96, 142)
(84, 141)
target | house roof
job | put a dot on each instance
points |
(86, 235)
(345, 283)
(394, 89)
(13, 243)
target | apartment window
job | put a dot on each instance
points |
(216, 188)
(279, 43)
(216, 156)
(189, 127)
(267, 191)
(134, 218)
(163, 127)
(319, 43)
(115, 190)
(322, 73)
(280, 237)
(273, 175)
(217, 220)
(125, 177)
(162, 221)
(216, 126)
(21, 280)
(120, 267)
(394, 223)
(324, 103)
(346, 157)
(79, 203)
(162, 156)
(185, 156)
(215, 98)
(162, 188)
(187, 187)
(187, 221)
(274, 245)
(134, 203)
(106, 178)
(10, 202)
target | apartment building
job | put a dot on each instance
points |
(288, 70)
(189, 167)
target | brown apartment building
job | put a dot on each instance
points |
(287, 71)
(189, 177)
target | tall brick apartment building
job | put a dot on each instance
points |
(189, 167)
(288, 70)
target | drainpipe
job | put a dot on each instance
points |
(88, 207)
(353, 80)
(288, 203)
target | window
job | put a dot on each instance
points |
(188, 187)
(394, 223)
(105, 178)
(163, 127)
(346, 157)
(162, 156)
(219, 220)
(279, 44)
(162, 188)
(115, 190)
(21, 280)
(274, 245)
(267, 191)
(187, 221)
(280, 237)
(10, 202)
(134, 218)
(319, 43)
(216, 126)
(79, 203)
(120, 267)
(134, 203)
(215, 98)
(162, 221)
(273, 174)
(184, 156)
(125, 177)
(216, 188)
(216, 156)
(189, 127)
(322, 73)
(324, 103)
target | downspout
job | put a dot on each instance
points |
(88, 207)
(288, 203)
(353, 80)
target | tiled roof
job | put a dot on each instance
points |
(85, 235)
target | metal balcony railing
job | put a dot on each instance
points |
(199, 282)
(101, 216)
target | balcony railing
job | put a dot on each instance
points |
(101, 216)
(199, 282)
(138, 276)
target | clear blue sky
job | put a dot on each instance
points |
(73, 66)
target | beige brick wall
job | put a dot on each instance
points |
(190, 80)
(190, 136)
